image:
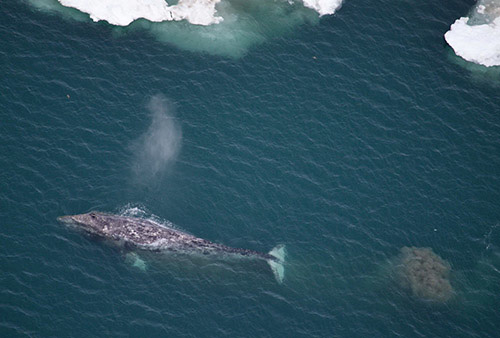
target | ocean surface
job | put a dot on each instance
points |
(345, 138)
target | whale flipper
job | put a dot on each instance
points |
(277, 265)
(136, 261)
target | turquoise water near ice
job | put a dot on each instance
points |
(344, 139)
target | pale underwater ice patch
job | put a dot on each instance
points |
(246, 23)
(478, 73)
(54, 6)
(221, 27)
(476, 38)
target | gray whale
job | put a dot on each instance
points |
(146, 234)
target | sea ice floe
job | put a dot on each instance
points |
(323, 7)
(123, 12)
(477, 38)
(220, 27)
(198, 12)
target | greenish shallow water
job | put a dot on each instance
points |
(344, 139)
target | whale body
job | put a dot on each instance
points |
(146, 234)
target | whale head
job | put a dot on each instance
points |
(93, 222)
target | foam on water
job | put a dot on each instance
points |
(132, 210)
(222, 27)
(476, 38)
(140, 211)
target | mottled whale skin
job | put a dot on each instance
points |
(147, 234)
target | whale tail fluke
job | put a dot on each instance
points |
(277, 264)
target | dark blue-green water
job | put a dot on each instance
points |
(345, 139)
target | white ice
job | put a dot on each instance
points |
(123, 12)
(480, 42)
(198, 12)
(323, 7)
